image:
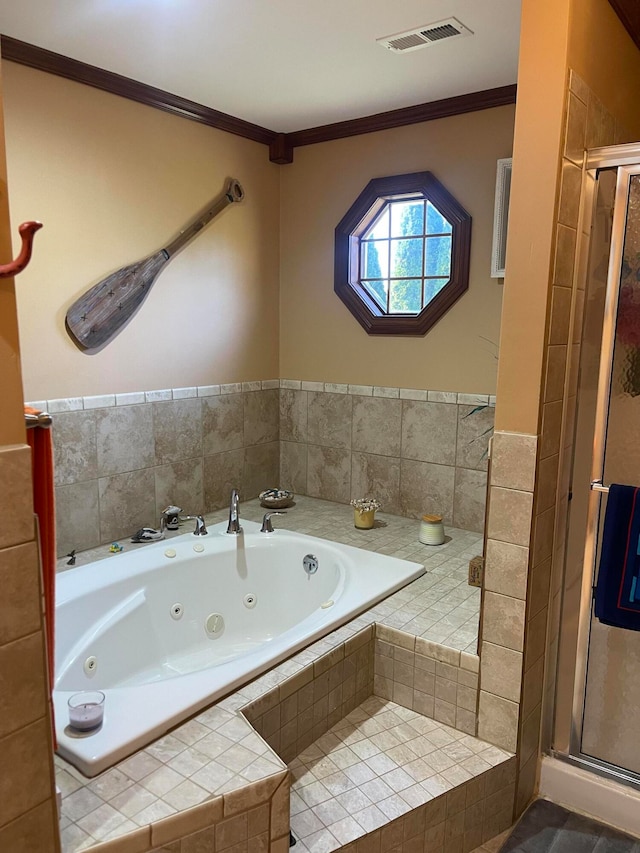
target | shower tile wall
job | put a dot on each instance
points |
(526, 538)
(588, 125)
(120, 459)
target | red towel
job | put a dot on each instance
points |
(39, 439)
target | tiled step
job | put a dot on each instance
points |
(386, 778)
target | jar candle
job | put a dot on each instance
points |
(86, 710)
(431, 530)
(364, 520)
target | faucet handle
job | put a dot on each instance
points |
(201, 528)
(267, 526)
(169, 518)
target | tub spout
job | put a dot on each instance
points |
(234, 514)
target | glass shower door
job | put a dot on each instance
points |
(612, 679)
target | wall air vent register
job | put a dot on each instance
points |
(425, 36)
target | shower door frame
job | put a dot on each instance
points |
(575, 632)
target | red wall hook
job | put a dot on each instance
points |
(27, 230)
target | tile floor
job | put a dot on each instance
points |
(375, 765)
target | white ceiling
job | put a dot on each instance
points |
(282, 64)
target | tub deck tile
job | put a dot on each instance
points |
(218, 751)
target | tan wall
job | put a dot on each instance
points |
(605, 57)
(11, 419)
(587, 36)
(113, 181)
(28, 819)
(536, 146)
(320, 340)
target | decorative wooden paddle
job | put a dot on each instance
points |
(102, 312)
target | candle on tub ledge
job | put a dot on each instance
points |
(86, 710)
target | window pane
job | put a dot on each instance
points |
(378, 289)
(436, 223)
(406, 257)
(407, 218)
(437, 259)
(375, 259)
(380, 227)
(432, 288)
(405, 297)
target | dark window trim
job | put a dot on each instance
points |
(347, 247)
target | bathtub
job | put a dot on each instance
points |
(169, 628)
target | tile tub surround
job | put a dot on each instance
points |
(290, 719)
(292, 715)
(417, 451)
(202, 754)
(214, 779)
(436, 681)
(121, 458)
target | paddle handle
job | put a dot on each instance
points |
(233, 193)
(101, 312)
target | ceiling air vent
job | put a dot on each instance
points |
(425, 36)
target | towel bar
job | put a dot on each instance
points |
(43, 419)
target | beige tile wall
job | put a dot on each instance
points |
(513, 460)
(121, 458)
(301, 709)
(28, 818)
(417, 451)
(431, 679)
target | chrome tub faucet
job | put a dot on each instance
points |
(234, 526)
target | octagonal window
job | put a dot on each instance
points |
(402, 254)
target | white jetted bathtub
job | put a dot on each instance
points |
(169, 628)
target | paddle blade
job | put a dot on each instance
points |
(103, 311)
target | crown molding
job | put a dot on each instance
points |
(629, 13)
(62, 66)
(484, 100)
(281, 145)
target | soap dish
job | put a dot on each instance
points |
(276, 498)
